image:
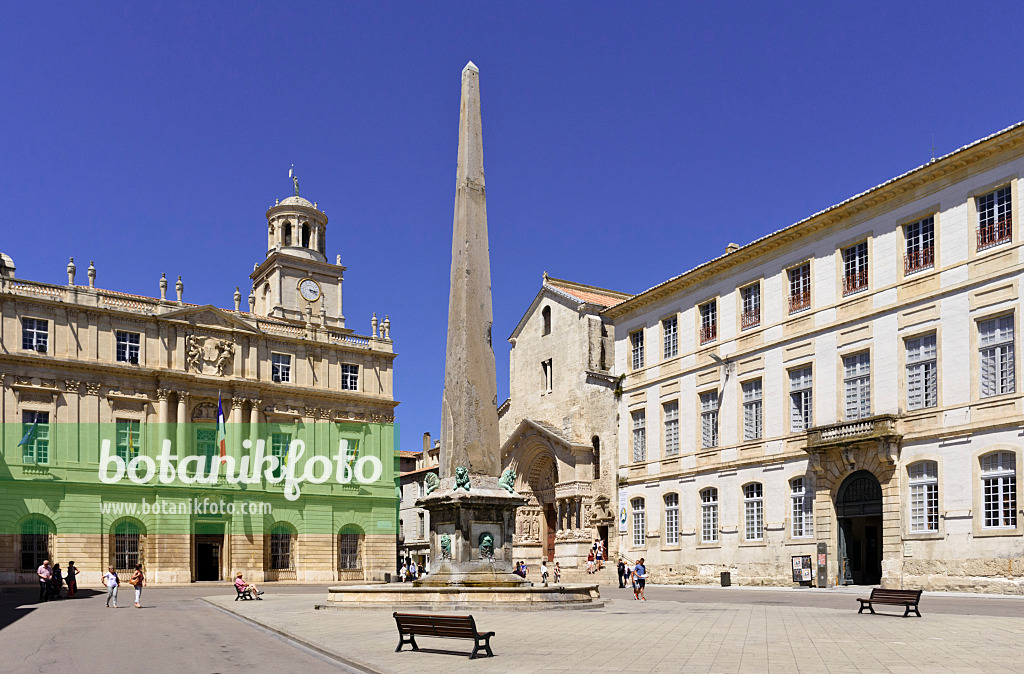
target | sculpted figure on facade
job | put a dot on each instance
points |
(461, 478)
(507, 480)
(209, 355)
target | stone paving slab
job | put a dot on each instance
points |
(658, 636)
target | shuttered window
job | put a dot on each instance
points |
(752, 410)
(999, 482)
(924, 496)
(709, 515)
(671, 428)
(639, 523)
(801, 504)
(639, 435)
(857, 385)
(800, 399)
(709, 419)
(922, 373)
(672, 519)
(995, 338)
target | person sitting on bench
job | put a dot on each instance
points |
(244, 587)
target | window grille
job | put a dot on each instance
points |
(800, 288)
(127, 547)
(995, 218)
(920, 238)
(280, 548)
(855, 268)
(348, 551)
(750, 299)
(708, 322)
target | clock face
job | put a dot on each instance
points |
(309, 289)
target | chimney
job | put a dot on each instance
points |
(427, 444)
(732, 248)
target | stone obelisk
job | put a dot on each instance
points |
(472, 513)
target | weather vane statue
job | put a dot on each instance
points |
(295, 179)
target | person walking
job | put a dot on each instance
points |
(45, 572)
(544, 571)
(622, 574)
(590, 561)
(69, 578)
(640, 576)
(138, 579)
(111, 580)
(558, 573)
(403, 572)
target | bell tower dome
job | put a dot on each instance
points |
(296, 281)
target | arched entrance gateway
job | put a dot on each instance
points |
(859, 518)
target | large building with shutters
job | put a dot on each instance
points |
(843, 391)
(80, 364)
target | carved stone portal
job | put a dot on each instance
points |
(209, 355)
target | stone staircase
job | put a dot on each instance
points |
(605, 576)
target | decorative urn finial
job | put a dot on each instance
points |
(71, 272)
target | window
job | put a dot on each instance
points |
(127, 347)
(305, 235)
(548, 371)
(800, 400)
(995, 218)
(922, 373)
(709, 515)
(670, 336)
(636, 340)
(639, 523)
(801, 509)
(348, 550)
(280, 367)
(35, 544)
(753, 512)
(857, 385)
(35, 334)
(709, 419)
(596, 442)
(280, 547)
(708, 322)
(671, 428)
(127, 546)
(855, 268)
(924, 497)
(672, 519)
(639, 435)
(920, 238)
(35, 437)
(287, 233)
(546, 316)
(800, 288)
(750, 306)
(999, 482)
(349, 377)
(279, 444)
(752, 410)
(128, 441)
(421, 527)
(995, 338)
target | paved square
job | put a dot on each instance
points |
(718, 631)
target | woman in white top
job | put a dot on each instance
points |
(111, 581)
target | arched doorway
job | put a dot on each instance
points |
(859, 515)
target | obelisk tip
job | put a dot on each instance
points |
(470, 66)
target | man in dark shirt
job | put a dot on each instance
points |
(622, 573)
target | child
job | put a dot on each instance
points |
(544, 571)
(558, 573)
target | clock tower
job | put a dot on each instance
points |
(296, 281)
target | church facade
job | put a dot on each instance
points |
(81, 366)
(838, 402)
(559, 417)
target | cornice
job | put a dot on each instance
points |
(1001, 142)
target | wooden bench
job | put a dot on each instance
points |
(412, 625)
(906, 598)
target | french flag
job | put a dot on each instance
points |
(222, 430)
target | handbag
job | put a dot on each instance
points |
(133, 580)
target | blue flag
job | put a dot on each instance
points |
(28, 436)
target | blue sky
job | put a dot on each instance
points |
(623, 143)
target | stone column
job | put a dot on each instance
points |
(254, 421)
(182, 420)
